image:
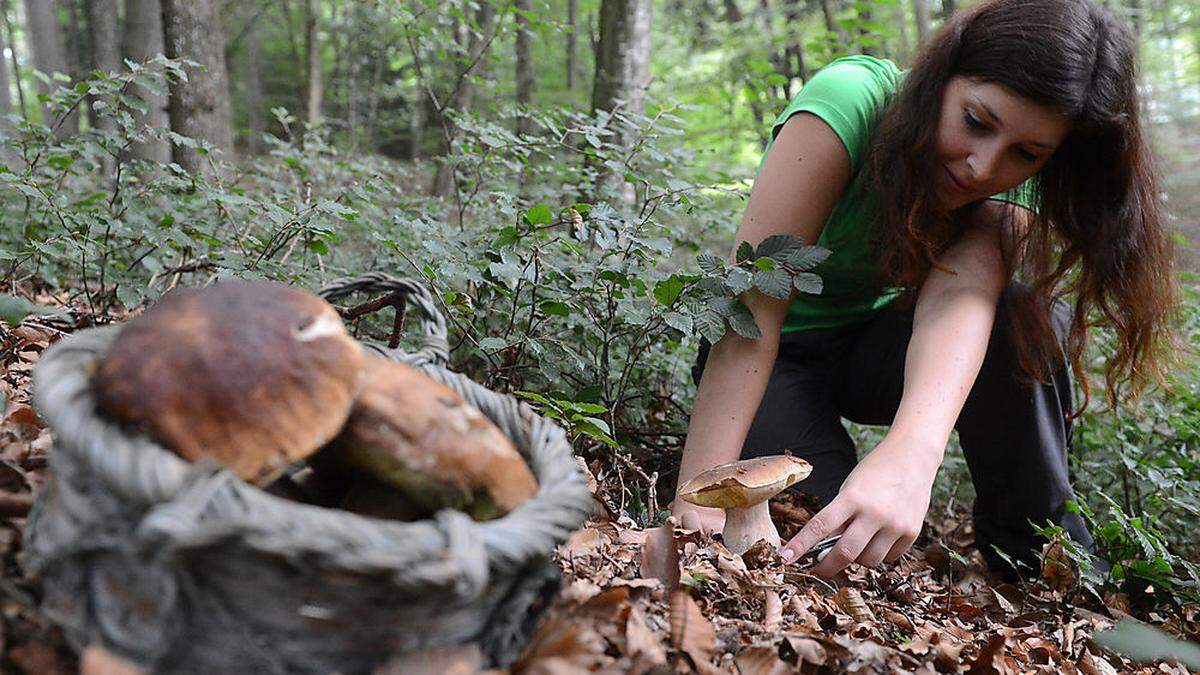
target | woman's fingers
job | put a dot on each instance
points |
(876, 551)
(828, 521)
(846, 550)
(902, 544)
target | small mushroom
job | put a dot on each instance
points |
(420, 437)
(742, 490)
(252, 374)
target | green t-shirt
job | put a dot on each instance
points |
(848, 94)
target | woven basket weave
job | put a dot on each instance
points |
(184, 568)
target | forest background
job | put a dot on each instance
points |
(550, 169)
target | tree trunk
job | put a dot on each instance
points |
(143, 40)
(948, 9)
(199, 107)
(921, 14)
(5, 91)
(902, 32)
(829, 13)
(526, 75)
(733, 13)
(463, 97)
(867, 38)
(106, 47)
(312, 44)
(622, 64)
(255, 120)
(572, 12)
(795, 50)
(44, 39)
(16, 68)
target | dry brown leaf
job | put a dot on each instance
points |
(990, 660)
(461, 660)
(660, 556)
(800, 649)
(897, 619)
(640, 640)
(1057, 570)
(1089, 664)
(801, 605)
(772, 610)
(20, 415)
(761, 660)
(691, 632)
(851, 601)
(584, 542)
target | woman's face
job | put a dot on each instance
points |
(990, 140)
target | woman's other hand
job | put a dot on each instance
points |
(703, 518)
(879, 509)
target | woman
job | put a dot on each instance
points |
(965, 203)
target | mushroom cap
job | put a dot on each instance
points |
(252, 374)
(411, 432)
(746, 482)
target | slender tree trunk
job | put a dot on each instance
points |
(949, 7)
(143, 40)
(572, 15)
(829, 13)
(314, 89)
(921, 14)
(902, 32)
(5, 90)
(199, 107)
(622, 64)
(464, 98)
(255, 120)
(44, 38)
(795, 50)
(867, 38)
(16, 68)
(106, 50)
(733, 13)
(526, 75)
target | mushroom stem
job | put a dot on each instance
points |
(745, 526)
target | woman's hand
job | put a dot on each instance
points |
(879, 510)
(703, 518)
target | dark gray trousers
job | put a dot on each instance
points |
(1014, 433)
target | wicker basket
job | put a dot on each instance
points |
(184, 568)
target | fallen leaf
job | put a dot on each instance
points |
(851, 601)
(801, 649)
(990, 660)
(691, 633)
(639, 639)
(761, 660)
(660, 556)
(772, 611)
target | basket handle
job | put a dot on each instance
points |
(434, 345)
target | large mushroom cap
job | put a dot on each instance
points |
(252, 374)
(418, 435)
(745, 483)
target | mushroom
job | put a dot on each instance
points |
(252, 374)
(742, 490)
(422, 439)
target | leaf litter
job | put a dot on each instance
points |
(700, 608)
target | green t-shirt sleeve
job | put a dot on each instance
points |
(1022, 195)
(847, 94)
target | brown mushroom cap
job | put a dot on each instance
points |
(418, 435)
(252, 374)
(746, 482)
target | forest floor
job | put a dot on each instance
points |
(934, 611)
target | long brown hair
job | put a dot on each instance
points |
(1098, 236)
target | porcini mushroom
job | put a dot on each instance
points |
(252, 374)
(422, 438)
(742, 489)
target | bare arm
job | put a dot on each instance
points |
(882, 505)
(803, 177)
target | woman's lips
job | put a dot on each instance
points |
(954, 184)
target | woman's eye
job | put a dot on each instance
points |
(972, 121)
(1027, 156)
